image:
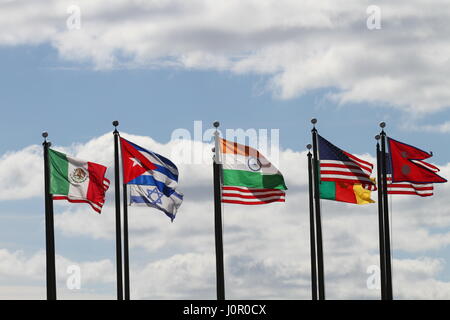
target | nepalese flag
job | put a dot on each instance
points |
(76, 180)
(153, 179)
(410, 171)
(423, 190)
(248, 177)
(407, 164)
(343, 177)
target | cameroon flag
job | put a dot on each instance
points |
(345, 192)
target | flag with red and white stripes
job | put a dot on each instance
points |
(248, 177)
(422, 190)
(337, 165)
(242, 195)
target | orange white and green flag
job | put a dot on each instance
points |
(248, 177)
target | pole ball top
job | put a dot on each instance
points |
(309, 146)
(377, 137)
(216, 124)
(313, 120)
(213, 149)
(382, 124)
(45, 134)
(115, 123)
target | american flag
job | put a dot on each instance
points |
(422, 190)
(340, 166)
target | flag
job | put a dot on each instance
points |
(153, 179)
(343, 177)
(345, 192)
(423, 190)
(76, 180)
(248, 177)
(407, 165)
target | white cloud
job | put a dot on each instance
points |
(22, 173)
(266, 247)
(17, 264)
(300, 45)
(439, 128)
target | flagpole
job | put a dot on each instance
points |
(320, 267)
(118, 225)
(311, 228)
(220, 276)
(49, 226)
(381, 222)
(126, 259)
(387, 240)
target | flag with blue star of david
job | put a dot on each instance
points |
(152, 178)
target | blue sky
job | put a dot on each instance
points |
(74, 103)
(205, 62)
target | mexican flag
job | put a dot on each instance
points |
(248, 177)
(77, 180)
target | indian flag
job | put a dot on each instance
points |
(248, 177)
(77, 180)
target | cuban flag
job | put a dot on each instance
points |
(152, 178)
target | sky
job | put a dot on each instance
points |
(72, 67)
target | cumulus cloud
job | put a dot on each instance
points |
(28, 273)
(299, 45)
(266, 247)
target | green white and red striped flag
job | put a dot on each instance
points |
(248, 177)
(76, 180)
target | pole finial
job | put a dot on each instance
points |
(314, 121)
(115, 123)
(377, 137)
(382, 125)
(45, 135)
(308, 146)
(216, 124)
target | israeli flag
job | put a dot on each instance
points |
(157, 188)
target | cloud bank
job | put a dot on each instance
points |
(266, 247)
(298, 45)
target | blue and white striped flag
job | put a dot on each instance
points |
(156, 186)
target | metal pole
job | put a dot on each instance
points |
(125, 243)
(312, 226)
(49, 226)
(381, 222)
(220, 275)
(320, 264)
(118, 224)
(387, 239)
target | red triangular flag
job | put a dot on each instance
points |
(407, 166)
(134, 163)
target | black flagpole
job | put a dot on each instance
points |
(126, 259)
(220, 277)
(118, 226)
(381, 222)
(311, 228)
(49, 226)
(320, 267)
(387, 239)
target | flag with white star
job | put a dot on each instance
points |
(153, 179)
